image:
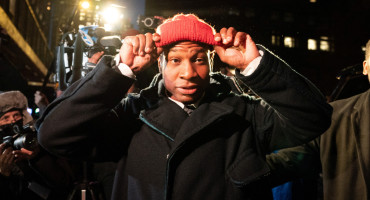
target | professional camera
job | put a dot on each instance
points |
(149, 22)
(18, 136)
(98, 39)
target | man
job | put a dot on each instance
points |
(344, 150)
(41, 101)
(217, 151)
(28, 172)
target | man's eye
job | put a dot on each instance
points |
(200, 60)
(174, 60)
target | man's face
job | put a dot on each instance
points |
(186, 75)
(10, 117)
(366, 66)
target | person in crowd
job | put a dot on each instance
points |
(188, 135)
(342, 152)
(41, 101)
(26, 170)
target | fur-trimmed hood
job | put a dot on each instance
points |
(14, 100)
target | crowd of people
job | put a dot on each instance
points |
(189, 132)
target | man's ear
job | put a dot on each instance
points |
(366, 66)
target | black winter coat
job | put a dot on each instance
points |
(216, 153)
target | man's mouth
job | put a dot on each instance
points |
(187, 90)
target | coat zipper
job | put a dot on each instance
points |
(168, 156)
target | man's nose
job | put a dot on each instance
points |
(187, 70)
(12, 119)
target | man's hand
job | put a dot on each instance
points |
(24, 154)
(238, 48)
(139, 52)
(7, 160)
(96, 57)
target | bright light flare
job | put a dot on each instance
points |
(85, 4)
(112, 15)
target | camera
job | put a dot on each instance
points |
(18, 136)
(98, 39)
(149, 22)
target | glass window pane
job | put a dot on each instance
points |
(324, 45)
(289, 42)
(311, 44)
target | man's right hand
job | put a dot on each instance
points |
(7, 160)
(139, 52)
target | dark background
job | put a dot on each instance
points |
(344, 24)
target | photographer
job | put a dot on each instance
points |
(26, 170)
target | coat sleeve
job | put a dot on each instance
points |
(80, 124)
(292, 111)
(296, 162)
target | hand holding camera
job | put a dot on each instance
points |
(18, 136)
(7, 160)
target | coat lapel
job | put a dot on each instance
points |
(167, 118)
(202, 117)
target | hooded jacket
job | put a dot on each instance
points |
(15, 100)
(218, 152)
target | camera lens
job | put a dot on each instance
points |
(27, 141)
(148, 22)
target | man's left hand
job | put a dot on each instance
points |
(238, 48)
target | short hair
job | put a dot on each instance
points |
(367, 50)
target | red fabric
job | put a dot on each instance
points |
(185, 27)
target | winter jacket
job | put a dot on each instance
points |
(218, 152)
(343, 151)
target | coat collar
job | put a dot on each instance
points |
(168, 118)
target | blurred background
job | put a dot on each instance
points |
(42, 41)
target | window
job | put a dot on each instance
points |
(324, 46)
(275, 40)
(288, 42)
(311, 44)
(324, 43)
(82, 16)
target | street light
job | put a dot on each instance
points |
(85, 4)
(112, 16)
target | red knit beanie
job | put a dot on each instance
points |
(185, 28)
